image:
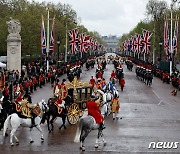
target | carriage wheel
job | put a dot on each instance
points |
(73, 114)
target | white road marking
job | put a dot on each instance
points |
(160, 99)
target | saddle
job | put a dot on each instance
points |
(60, 109)
(36, 110)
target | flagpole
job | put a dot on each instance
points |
(65, 59)
(144, 56)
(47, 49)
(171, 44)
(154, 46)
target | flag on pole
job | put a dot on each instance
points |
(95, 45)
(146, 36)
(138, 43)
(43, 38)
(166, 37)
(133, 43)
(175, 38)
(73, 40)
(82, 42)
(88, 43)
(129, 44)
(52, 39)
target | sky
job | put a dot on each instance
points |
(108, 17)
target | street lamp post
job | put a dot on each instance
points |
(58, 44)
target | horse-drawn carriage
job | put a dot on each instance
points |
(80, 93)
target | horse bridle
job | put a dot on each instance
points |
(44, 106)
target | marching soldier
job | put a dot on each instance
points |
(122, 83)
(115, 106)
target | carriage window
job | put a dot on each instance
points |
(83, 94)
(88, 93)
(78, 94)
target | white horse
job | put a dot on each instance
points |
(16, 121)
(85, 125)
(105, 103)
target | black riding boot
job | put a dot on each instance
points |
(32, 122)
(101, 126)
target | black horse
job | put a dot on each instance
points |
(53, 112)
(5, 111)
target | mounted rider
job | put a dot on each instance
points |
(94, 111)
(92, 81)
(27, 109)
(57, 88)
(60, 103)
(113, 75)
(64, 89)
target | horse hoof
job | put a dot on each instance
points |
(31, 141)
(42, 139)
(96, 146)
(83, 148)
(17, 143)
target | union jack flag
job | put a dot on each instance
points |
(138, 43)
(133, 43)
(166, 37)
(88, 42)
(125, 44)
(95, 45)
(175, 39)
(52, 39)
(73, 40)
(129, 44)
(82, 42)
(146, 36)
(91, 43)
(43, 38)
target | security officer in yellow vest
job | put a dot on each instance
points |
(27, 110)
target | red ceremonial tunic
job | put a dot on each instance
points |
(122, 82)
(19, 98)
(64, 90)
(92, 81)
(94, 111)
(113, 75)
(99, 75)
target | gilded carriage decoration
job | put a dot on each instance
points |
(80, 93)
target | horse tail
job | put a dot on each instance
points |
(6, 124)
(78, 131)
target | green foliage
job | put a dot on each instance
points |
(157, 10)
(30, 15)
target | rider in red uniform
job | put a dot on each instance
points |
(92, 81)
(94, 111)
(113, 75)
